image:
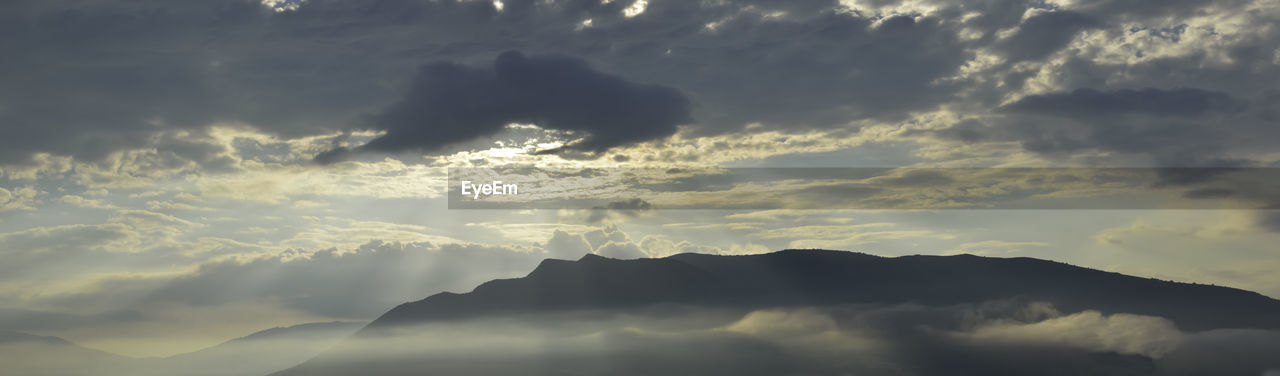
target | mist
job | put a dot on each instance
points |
(1002, 337)
(256, 354)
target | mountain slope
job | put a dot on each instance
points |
(258, 353)
(33, 355)
(254, 354)
(815, 277)
(815, 312)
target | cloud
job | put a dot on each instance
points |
(1225, 351)
(277, 183)
(1121, 333)
(621, 251)
(137, 238)
(361, 283)
(784, 322)
(450, 103)
(1174, 127)
(994, 247)
(1094, 105)
(140, 92)
(356, 282)
(1001, 337)
(780, 65)
(18, 199)
(1043, 34)
(609, 241)
(565, 246)
(86, 203)
(751, 66)
(30, 252)
(608, 233)
(625, 209)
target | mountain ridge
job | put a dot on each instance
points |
(700, 314)
(818, 277)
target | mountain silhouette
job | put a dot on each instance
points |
(550, 322)
(821, 277)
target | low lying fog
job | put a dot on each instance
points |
(992, 338)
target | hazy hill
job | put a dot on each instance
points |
(33, 355)
(255, 354)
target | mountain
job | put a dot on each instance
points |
(814, 312)
(819, 277)
(254, 354)
(8, 337)
(33, 355)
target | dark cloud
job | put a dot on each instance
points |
(1044, 34)
(1175, 127)
(632, 204)
(816, 71)
(1090, 104)
(450, 103)
(628, 208)
(1119, 10)
(969, 130)
(89, 78)
(1209, 193)
(1146, 83)
(86, 78)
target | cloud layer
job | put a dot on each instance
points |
(449, 103)
(90, 78)
(1000, 337)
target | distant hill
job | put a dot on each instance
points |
(12, 337)
(820, 277)
(33, 355)
(254, 354)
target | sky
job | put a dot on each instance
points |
(174, 174)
